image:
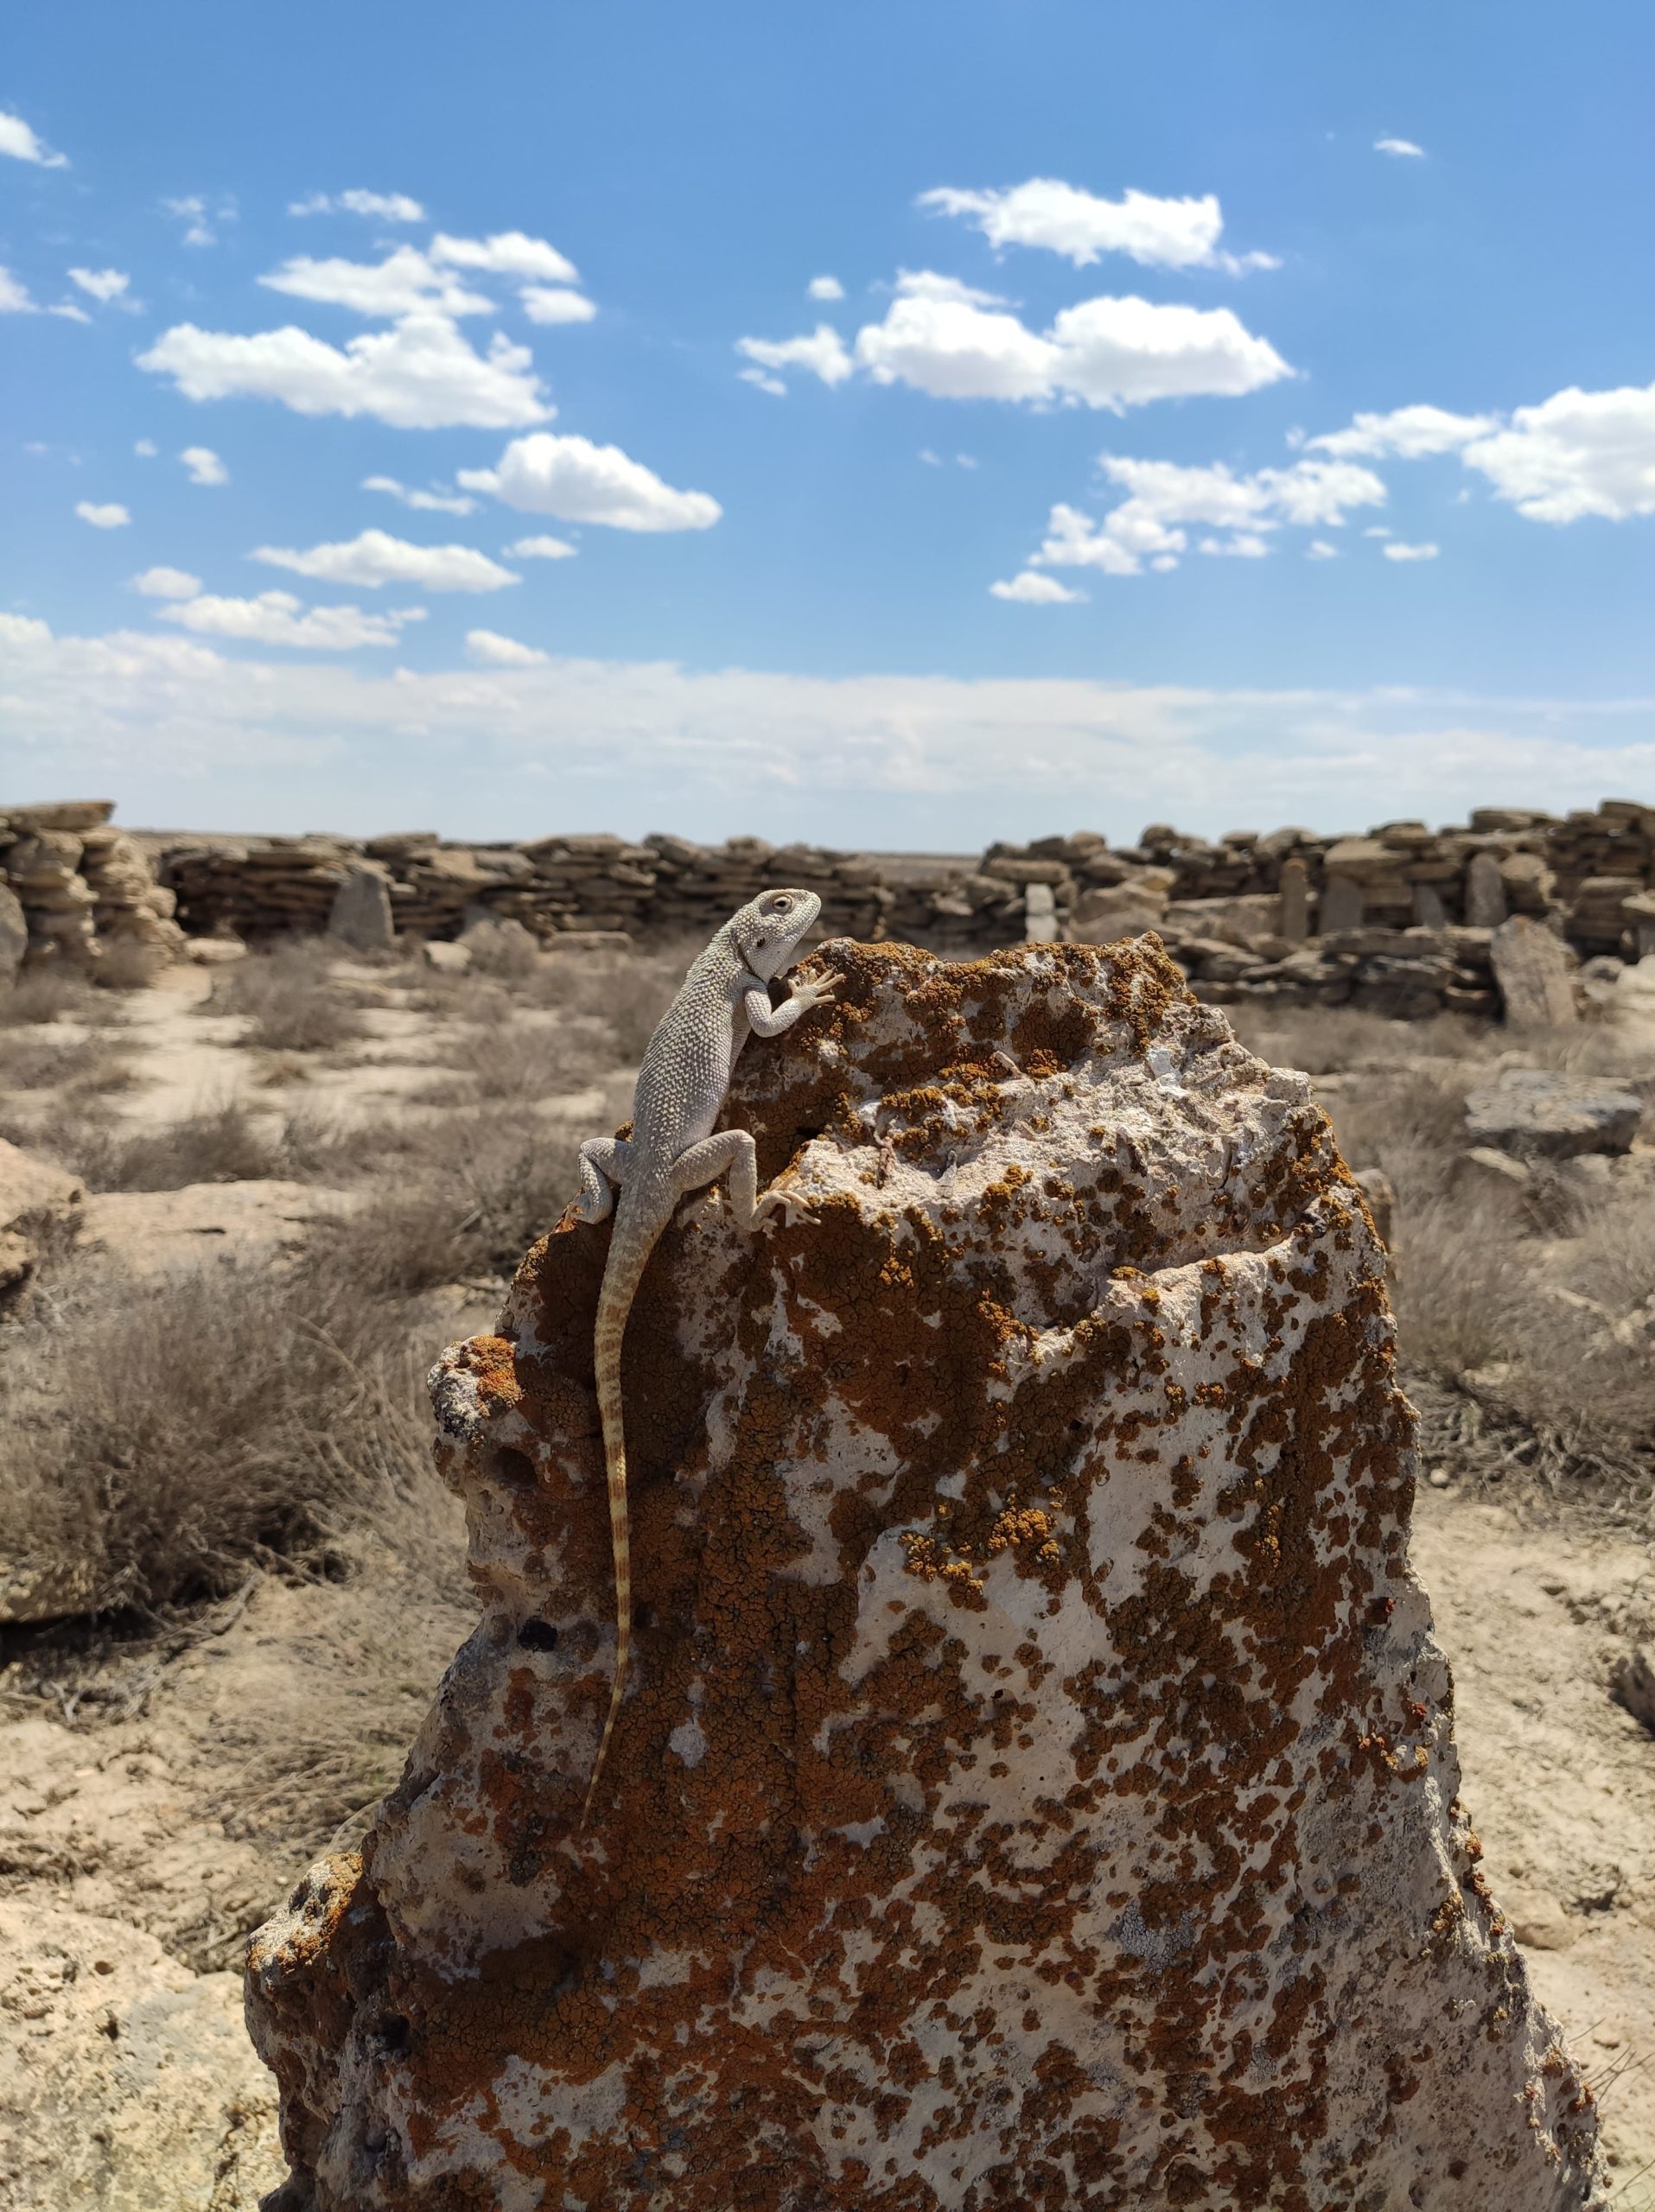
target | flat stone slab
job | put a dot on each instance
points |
(1536, 1114)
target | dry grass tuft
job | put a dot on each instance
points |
(225, 1144)
(48, 994)
(290, 998)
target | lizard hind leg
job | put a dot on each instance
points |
(603, 1165)
(731, 1153)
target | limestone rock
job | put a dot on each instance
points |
(39, 1207)
(361, 915)
(126, 2084)
(1537, 1114)
(1036, 1783)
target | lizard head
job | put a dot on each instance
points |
(767, 932)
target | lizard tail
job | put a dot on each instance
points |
(620, 1279)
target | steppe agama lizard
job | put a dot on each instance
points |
(681, 1089)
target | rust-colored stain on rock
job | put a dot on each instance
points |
(1036, 1786)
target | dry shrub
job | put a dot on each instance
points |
(161, 1441)
(47, 993)
(290, 998)
(225, 1144)
(1324, 1039)
(625, 993)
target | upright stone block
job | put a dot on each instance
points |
(1036, 1784)
(1484, 893)
(361, 916)
(1294, 922)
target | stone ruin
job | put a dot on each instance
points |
(74, 889)
(1404, 921)
(1036, 1786)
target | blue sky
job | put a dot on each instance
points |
(1287, 369)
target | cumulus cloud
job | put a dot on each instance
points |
(1031, 588)
(1165, 498)
(405, 283)
(578, 481)
(1398, 551)
(433, 502)
(166, 583)
(14, 294)
(383, 207)
(943, 339)
(104, 284)
(375, 558)
(488, 649)
(1408, 432)
(762, 380)
(824, 288)
(204, 466)
(555, 303)
(419, 375)
(508, 253)
(110, 516)
(823, 353)
(1319, 549)
(1577, 453)
(146, 449)
(1045, 212)
(541, 549)
(1402, 149)
(20, 142)
(277, 618)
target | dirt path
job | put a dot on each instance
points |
(1560, 1782)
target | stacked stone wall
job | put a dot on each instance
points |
(1399, 919)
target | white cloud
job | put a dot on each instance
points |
(552, 303)
(375, 558)
(541, 549)
(204, 466)
(1164, 498)
(112, 515)
(824, 288)
(655, 742)
(275, 618)
(1045, 212)
(1577, 453)
(1376, 530)
(579, 481)
(101, 283)
(146, 449)
(14, 296)
(1109, 352)
(508, 253)
(192, 211)
(1319, 549)
(20, 142)
(1409, 432)
(383, 207)
(166, 583)
(434, 502)
(489, 649)
(965, 460)
(1398, 551)
(823, 353)
(419, 375)
(70, 312)
(405, 283)
(1404, 149)
(1032, 589)
(764, 381)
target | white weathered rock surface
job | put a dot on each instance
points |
(1036, 1785)
(1538, 1114)
(126, 2083)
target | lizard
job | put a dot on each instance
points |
(672, 1150)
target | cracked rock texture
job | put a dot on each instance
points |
(1036, 1785)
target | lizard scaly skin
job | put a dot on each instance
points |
(681, 1090)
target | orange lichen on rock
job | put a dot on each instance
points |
(1035, 1786)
